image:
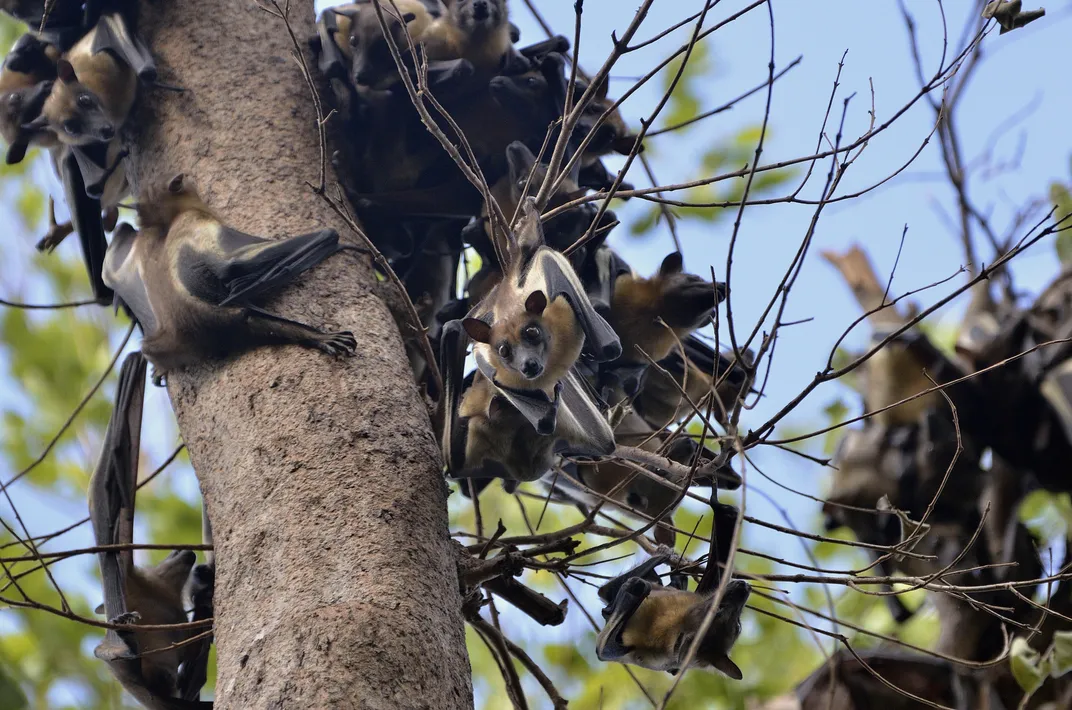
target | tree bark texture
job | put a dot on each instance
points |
(336, 585)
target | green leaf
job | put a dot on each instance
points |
(1026, 666)
(11, 695)
(1061, 653)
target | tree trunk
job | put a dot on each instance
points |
(336, 584)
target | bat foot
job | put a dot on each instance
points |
(56, 232)
(338, 344)
(130, 617)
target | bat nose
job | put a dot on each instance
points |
(107, 132)
(531, 368)
(480, 10)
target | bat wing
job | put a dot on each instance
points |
(114, 35)
(645, 570)
(249, 266)
(580, 422)
(111, 498)
(123, 272)
(550, 271)
(540, 411)
(452, 342)
(628, 598)
(331, 61)
(86, 220)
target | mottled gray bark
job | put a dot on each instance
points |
(336, 586)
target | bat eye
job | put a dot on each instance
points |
(532, 82)
(353, 41)
(85, 101)
(504, 351)
(531, 334)
(72, 127)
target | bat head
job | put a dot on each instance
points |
(687, 301)
(723, 632)
(477, 17)
(19, 109)
(521, 343)
(372, 63)
(161, 203)
(612, 136)
(74, 112)
(526, 96)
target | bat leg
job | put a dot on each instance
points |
(56, 232)
(270, 328)
(629, 598)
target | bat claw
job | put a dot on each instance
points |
(338, 344)
(129, 617)
(159, 378)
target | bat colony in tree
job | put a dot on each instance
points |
(584, 371)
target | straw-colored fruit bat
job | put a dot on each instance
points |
(524, 177)
(192, 282)
(682, 302)
(25, 83)
(660, 401)
(97, 81)
(534, 325)
(476, 30)
(134, 595)
(653, 626)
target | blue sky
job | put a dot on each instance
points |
(1016, 77)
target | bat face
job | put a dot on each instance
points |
(688, 299)
(373, 65)
(523, 94)
(75, 113)
(521, 343)
(474, 17)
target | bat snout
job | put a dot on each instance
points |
(532, 369)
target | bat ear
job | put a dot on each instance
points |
(99, 609)
(672, 264)
(65, 71)
(175, 186)
(536, 302)
(16, 152)
(477, 329)
(724, 664)
(520, 159)
(601, 89)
